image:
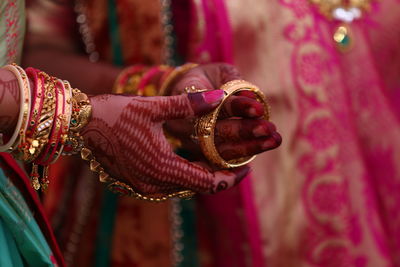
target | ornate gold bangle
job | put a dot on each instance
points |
(205, 125)
(81, 111)
(172, 76)
(46, 119)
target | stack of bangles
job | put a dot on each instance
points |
(50, 118)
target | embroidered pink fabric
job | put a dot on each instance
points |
(329, 196)
(231, 215)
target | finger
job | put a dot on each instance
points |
(193, 78)
(185, 174)
(237, 130)
(234, 150)
(179, 128)
(226, 179)
(185, 105)
(248, 94)
(240, 106)
(228, 73)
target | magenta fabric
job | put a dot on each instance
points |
(330, 195)
(231, 215)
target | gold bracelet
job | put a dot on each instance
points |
(122, 188)
(205, 125)
(172, 76)
(34, 143)
(81, 111)
(46, 119)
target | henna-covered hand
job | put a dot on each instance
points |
(126, 136)
(235, 137)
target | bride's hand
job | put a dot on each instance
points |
(234, 138)
(126, 136)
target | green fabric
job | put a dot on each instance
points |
(114, 33)
(189, 238)
(102, 255)
(106, 228)
(22, 242)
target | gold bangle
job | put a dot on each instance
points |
(205, 125)
(175, 73)
(46, 119)
(81, 111)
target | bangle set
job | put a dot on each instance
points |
(51, 115)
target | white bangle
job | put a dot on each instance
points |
(25, 106)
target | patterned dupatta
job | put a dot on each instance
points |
(329, 196)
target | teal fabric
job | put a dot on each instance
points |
(102, 255)
(21, 240)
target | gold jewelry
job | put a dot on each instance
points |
(193, 89)
(344, 11)
(128, 80)
(66, 120)
(81, 111)
(336, 9)
(124, 189)
(173, 75)
(45, 125)
(205, 125)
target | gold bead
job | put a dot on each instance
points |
(104, 177)
(86, 154)
(94, 165)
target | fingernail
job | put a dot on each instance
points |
(255, 111)
(271, 127)
(252, 112)
(213, 96)
(260, 131)
(277, 137)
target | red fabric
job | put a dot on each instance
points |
(21, 181)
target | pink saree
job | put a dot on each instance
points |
(330, 195)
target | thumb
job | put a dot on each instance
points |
(187, 105)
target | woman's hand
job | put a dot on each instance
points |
(126, 136)
(234, 138)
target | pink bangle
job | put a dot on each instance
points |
(65, 120)
(37, 104)
(123, 79)
(148, 77)
(55, 137)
